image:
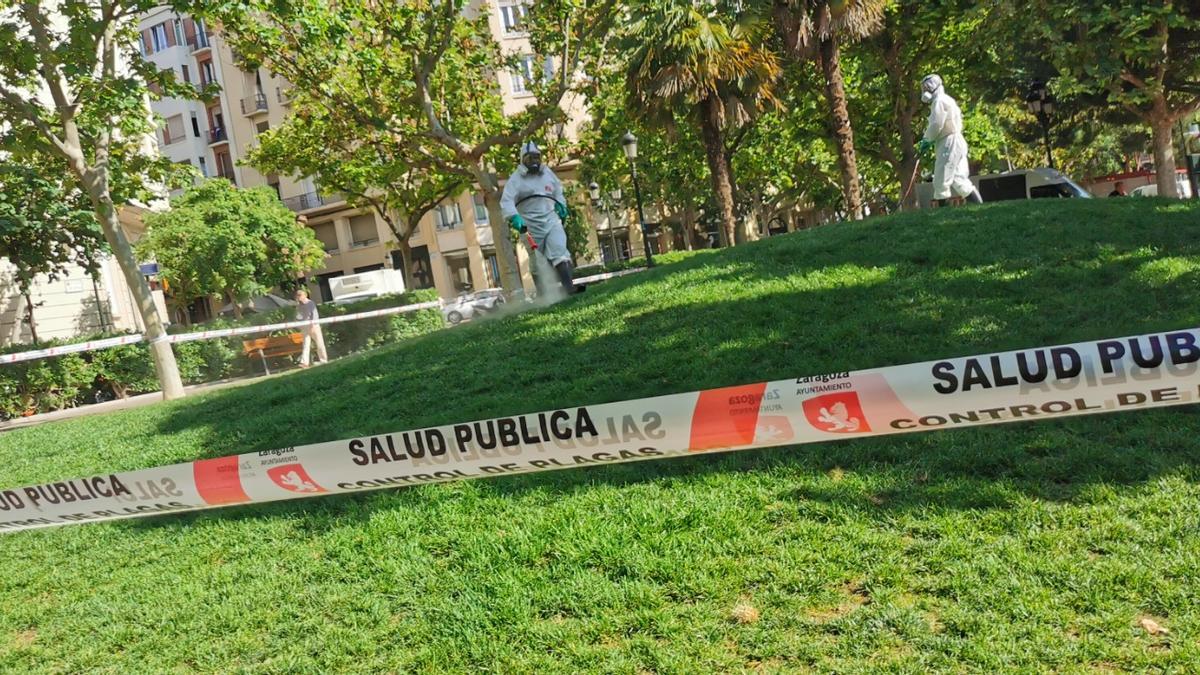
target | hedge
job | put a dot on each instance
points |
(61, 382)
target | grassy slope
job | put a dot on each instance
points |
(1022, 546)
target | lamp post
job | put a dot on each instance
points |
(629, 142)
(1040, 102)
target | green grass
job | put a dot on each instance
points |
(1030, 547)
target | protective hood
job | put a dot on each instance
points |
(531, 158)
(931, 88)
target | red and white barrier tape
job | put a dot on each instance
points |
(1085, 378)
(206, 335)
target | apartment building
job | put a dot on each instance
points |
(453, 249)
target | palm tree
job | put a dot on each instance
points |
(703, 62)
(812, 30)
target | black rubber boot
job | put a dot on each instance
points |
(565, 276)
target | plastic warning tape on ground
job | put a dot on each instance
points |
(1043, 383)
(205, 335)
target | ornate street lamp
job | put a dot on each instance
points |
(630, 143)
(1041, 103)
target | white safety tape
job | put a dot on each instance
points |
(609, 275)
(1045, 383)
(108, 343)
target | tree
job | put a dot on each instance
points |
(72, 85)
(219, 240)
(708, 63)
(366, 165)
(1143, 54)
(423, 72)
(814, 30)
(46, 227)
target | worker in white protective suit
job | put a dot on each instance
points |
(951, 174)
(533, 202)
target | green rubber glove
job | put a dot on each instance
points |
(561, 210)
(518, 223)
(924, 146)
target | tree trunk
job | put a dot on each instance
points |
(1164, 155)
(165, 366)
(29, 317)
(506, 255)
(718, 167)
(237, 306)
(907, 169)
(843, 135)
(407, 260)
(689, 226)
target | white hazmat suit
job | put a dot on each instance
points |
(533, 195)
(951, 174)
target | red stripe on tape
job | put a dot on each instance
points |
(726, 417)
(218, 482)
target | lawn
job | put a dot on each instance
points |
(1035, 547)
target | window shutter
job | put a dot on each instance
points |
(189, 30)
(147, 45)
(170, 31)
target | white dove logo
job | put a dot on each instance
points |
(293, 481)
(838, 418)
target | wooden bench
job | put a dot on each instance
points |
(284, 345)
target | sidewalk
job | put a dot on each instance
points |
(121, 404)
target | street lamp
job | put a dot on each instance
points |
(1041, 103)
(629, 142)
(597, 202)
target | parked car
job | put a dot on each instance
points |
(1020, 184)
(1151, 190)
(468, 305)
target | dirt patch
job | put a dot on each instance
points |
(855, 596)
(744, 613)
(25, 639)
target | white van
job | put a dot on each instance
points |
(1020, 184)
(366, 285)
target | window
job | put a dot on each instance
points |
(261, 127)
(447, 216)
(195, 125)
(173, 130)
(327, 235)
(368, 268)
(178, 25)
(481, 212)
(362, 231)
(207, 74)
(158, 37)
(513, 17)
(187, 74)
(523, 76)
(203, 167)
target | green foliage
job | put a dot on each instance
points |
(1031, 546)
(236, 243)
(44, 385)
(46, 224)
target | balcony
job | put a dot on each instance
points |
(282, 95)
(253, 105)
(199, 42)
(217, 135)
(311, 200)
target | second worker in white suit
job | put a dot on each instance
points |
(944, 133)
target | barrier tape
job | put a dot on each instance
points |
(1085, 378)
(108, 343)
(609, 275)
